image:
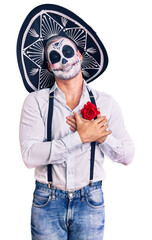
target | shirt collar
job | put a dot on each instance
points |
(56, 88)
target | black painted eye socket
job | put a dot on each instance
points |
(68, 51)
(54, 57)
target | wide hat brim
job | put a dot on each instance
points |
(44, 22)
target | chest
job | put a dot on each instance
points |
(72, 103)
(60, 128)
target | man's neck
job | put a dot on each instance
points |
(71, 88)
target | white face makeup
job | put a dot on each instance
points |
(63, 59)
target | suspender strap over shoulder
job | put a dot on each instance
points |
(49, 133)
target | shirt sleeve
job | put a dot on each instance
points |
(35, 150)
(118, 146)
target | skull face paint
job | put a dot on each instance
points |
(63, 59)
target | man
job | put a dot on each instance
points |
(66, 205)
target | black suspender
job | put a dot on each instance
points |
(93, 144)
(49, 138)
(49, 133)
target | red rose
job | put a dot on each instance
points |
(89, 111)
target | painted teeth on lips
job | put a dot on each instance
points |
(66, 68)
(63, 69)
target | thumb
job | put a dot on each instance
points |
(77, 117)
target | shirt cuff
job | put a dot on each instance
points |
(72, 140)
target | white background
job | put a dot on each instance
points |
(125, 29)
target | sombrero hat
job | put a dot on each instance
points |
(44, 22)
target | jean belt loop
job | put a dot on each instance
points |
(82, 194)
(53, 194)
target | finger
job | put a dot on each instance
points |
(71, 116)
(105, 127)
(73, 129)
(71, 119)
(106, 133)
(99, 119)
(71, 124)
(77, 117)
(102, 122)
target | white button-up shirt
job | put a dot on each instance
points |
(70, 158)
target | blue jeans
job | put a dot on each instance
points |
(67, 215)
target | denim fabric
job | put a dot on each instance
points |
(67, 215)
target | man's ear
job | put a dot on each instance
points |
(80, 55)
(49, 67)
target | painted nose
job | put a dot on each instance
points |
(64, 61)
